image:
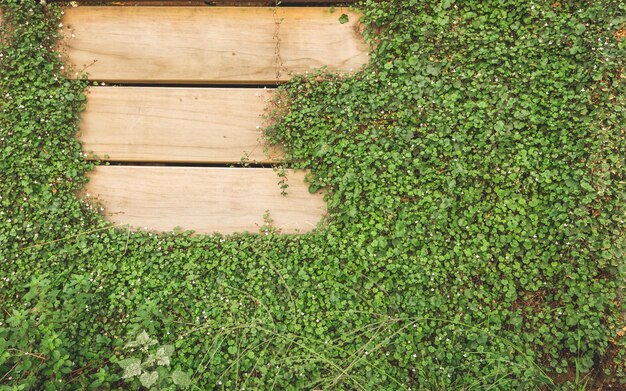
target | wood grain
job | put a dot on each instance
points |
(203, 3)
(187, 125)
(206, 200)
(255, 45)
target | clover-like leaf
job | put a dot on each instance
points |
(131, 366)
(150, 360)
(181, 379)
(144, 339)
(148, 379)
(163, 354)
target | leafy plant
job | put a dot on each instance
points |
(151, 367)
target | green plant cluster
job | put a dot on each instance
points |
(152, 369)
(475, 235)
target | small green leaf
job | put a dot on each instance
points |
(445, 4)
(343, 19)
(433, 69)
(579, 29)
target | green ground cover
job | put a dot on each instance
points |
(475, 237)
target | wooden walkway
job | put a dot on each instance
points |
(189, 106)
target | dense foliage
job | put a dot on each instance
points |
(475, 237)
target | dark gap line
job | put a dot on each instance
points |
(180, 85)
(188, 164)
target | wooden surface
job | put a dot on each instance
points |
(204, 199)
(210, 44)
(192, 125)
(241, 3)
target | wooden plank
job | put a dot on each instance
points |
(210, 44)
(206, 200)
(240, 3)
(193, 125)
